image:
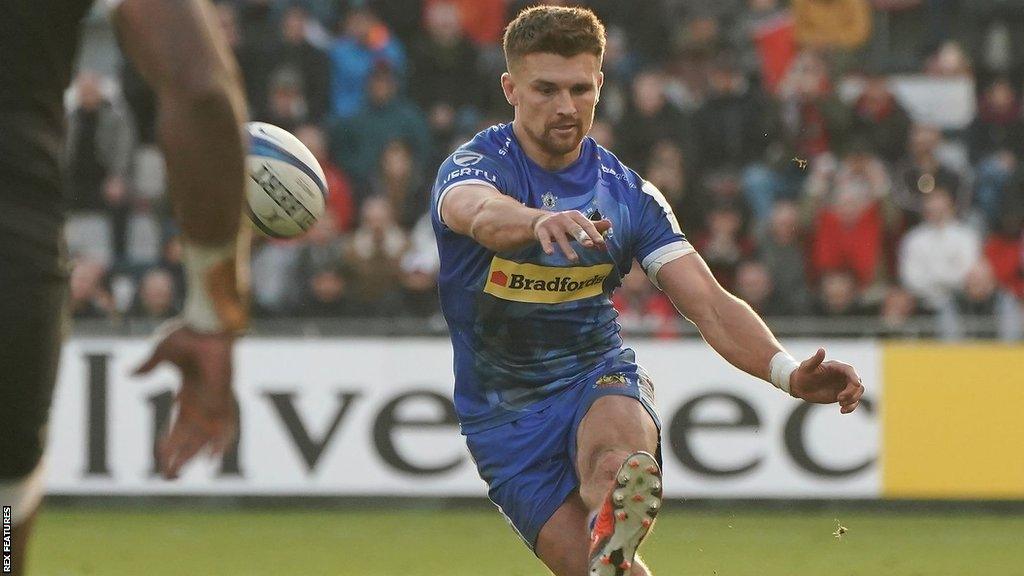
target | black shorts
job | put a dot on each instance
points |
(33, 288)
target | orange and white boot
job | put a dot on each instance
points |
(626, 516)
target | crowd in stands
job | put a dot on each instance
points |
(828, 158)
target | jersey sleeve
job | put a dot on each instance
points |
(467, 166)
(659, 240)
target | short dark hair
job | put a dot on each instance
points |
(555, 29)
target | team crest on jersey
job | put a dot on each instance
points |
(525, 282)
(611, 381)
(549, 200)
(466, 158)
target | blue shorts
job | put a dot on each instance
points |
(529, 464)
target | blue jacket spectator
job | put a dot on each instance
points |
(364, 43)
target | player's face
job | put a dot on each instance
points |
(554, 98)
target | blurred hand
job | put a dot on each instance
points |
(207, 409)
(823, 382)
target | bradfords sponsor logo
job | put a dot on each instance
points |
(520, 282)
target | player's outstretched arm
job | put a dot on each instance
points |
(177, 47)
(736, 332)
(500, 223)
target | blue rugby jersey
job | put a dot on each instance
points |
(524, 325)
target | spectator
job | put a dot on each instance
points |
(400, 181)
(644, 309)
(780, 251)
(374, 254)
(365, 45)
(254, 63)
(848, 204)
(306, 60)
(666, 170)
(420, 266)
(650, 118)
(879, 118)
(275, 290)
(88, 296)
(949, 61)
(156, 298)
(360, 141)
(287, 105)
(340, 201)
(836, 27)
(321, 274)
(444, 70)
(762, 20)
(921, 171)
(995, 31)
(814, 120)
(1004, 250)
(982, 296)
(936, 255)
(482, 20)
(839, 296)
(754, 285)
(996, 140)
(731, 127)
(400, 16)
(725, 244)
(100, 140)
(898, 308)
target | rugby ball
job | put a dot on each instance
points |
(285, 186)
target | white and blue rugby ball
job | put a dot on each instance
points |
(286, 188)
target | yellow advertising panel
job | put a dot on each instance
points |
(953, 421)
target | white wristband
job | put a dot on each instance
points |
(216, 278)
(781, 368)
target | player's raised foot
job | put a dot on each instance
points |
(626, 516)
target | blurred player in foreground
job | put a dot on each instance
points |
(536, 225)
(178, 48)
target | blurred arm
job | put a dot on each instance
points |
(178, 49)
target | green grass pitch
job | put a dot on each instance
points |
(476, 542)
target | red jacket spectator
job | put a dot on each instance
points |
(1006, 255)
(483, 20)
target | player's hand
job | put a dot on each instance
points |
(207, 410)
(823, 382)
(563, 228)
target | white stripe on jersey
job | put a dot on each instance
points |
(440, 197)
(652, 191)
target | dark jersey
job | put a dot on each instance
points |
(38, 43)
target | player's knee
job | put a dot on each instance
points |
(605, 463)
(23, 494)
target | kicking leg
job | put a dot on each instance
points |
(564, 541)
(620, 480)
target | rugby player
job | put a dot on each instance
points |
(177, 46)
(536, 225)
